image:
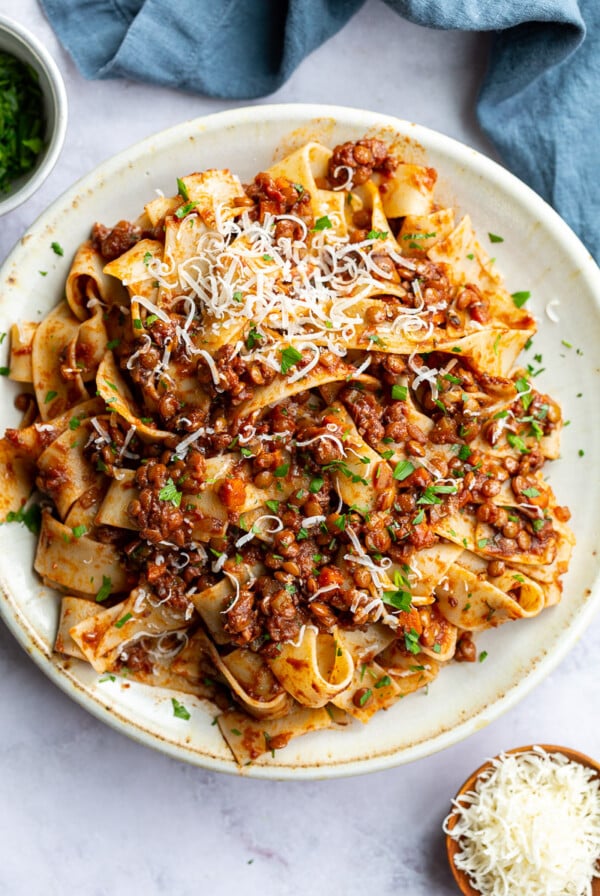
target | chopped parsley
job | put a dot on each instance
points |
(400, 599)
(182, 189)
(316, 484)
(517, 442)
(519, 298)
(368, 693)
(273, 506)
(419, 236)
(383, 682)
(289, 358)
(169, 493)
(411, 641)
(179, 710)
(57, 248)
(342, 467)
(121, 622)
(31, 517)
(78, 531)
(525, 391)
(185, 210)
(399, 393)
(377, 235)
(50, 396)
(483, 655)
(22, 116)
(322, 224)
(494, 238)
(282, 470)
(104, 590)
(403, 470)
(253, 337)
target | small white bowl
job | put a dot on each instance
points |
(24, 46)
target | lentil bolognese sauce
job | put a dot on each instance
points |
(286, 460)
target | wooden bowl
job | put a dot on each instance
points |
(452, 847)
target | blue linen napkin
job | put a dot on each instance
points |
(539, 102)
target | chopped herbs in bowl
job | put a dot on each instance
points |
(22, 119)
(33, 114)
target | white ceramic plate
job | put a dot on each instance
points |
(539, 253)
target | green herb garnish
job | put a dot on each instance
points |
(121, 622)
(519, 298)
(22, 119)
(316, 484)
(399, 393)
(185, 209)
(322, 223)
(169, 493)
(253, 337)
(31, 517)
(179, 710)
(289, 358)
(403, 469)
(104, 590)
(411, 640)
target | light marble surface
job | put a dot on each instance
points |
(85, 810)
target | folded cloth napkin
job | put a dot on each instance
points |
(539, 103)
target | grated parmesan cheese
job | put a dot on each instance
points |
(531, 826)
(307, 289)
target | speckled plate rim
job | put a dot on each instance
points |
(508, 184)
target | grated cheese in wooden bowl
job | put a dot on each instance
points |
(531, 825)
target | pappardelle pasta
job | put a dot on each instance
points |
(286, 461)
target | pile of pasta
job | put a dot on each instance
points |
(284, 458)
